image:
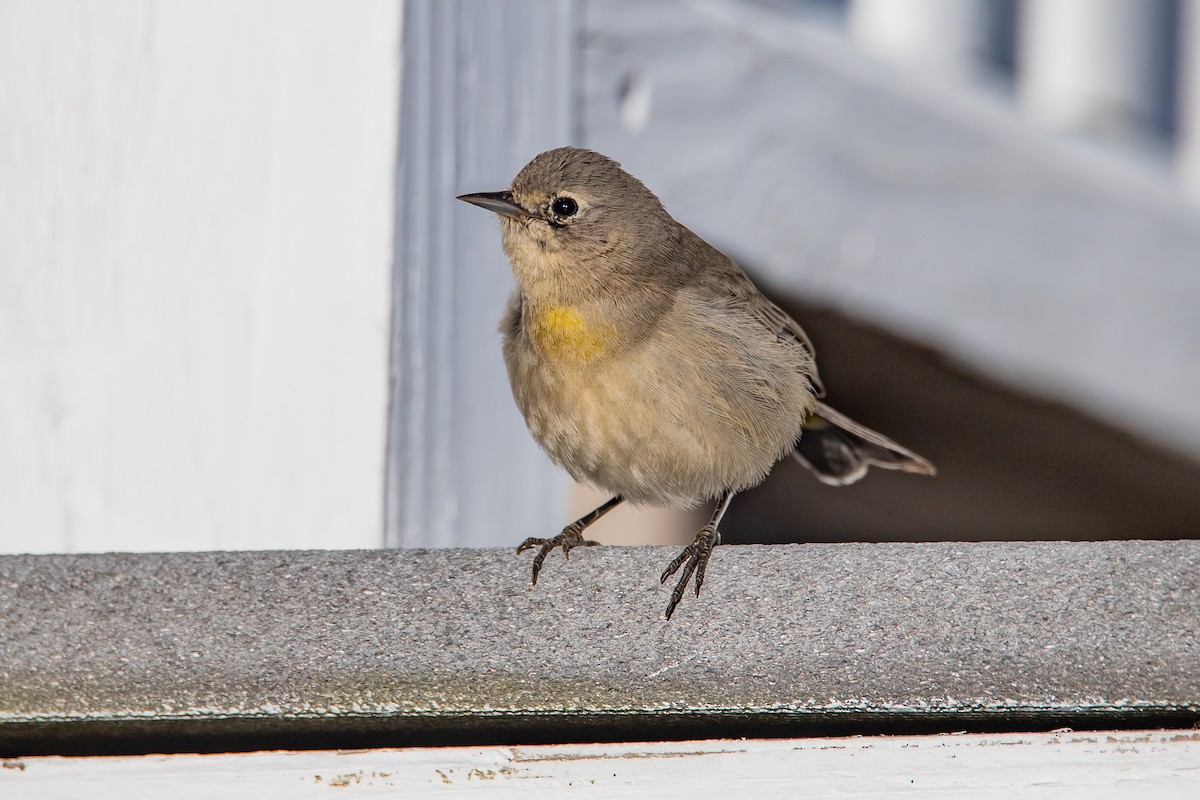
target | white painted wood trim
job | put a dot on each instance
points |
(1189, 98)
(486, 87)
(1162, 764)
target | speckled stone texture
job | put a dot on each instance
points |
(134, 652)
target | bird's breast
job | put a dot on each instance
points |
(702, 404)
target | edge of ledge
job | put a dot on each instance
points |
(149, 653)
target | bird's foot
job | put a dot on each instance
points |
(571, 536)
(693, 559)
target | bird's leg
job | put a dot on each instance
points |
(696, 555)
(571, 536)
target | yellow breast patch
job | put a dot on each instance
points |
(562, 334)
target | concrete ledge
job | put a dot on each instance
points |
(223, 651)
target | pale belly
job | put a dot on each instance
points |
(660, 429)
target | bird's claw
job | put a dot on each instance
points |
(694, 560)
(571, 536)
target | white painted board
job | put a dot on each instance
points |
(195, 246)
(1161, 764)
(486, 87)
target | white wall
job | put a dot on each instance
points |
(195, 245)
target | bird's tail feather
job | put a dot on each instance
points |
(838, 450)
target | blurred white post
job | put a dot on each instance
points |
(1189, 97)
(1089, 66)
(948, 38)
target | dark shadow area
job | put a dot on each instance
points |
(232, 735)
(1010, 466)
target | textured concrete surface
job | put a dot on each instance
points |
(225, 650)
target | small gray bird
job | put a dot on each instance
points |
(647, 364)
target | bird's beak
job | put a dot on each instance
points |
(500, 202)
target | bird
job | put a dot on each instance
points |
(647, 364)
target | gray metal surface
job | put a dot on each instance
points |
(455, 645)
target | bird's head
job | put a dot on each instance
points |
(573, 217)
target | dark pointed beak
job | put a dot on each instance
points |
(500, 202)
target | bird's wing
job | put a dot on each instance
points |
(721, 275)
(743, 291)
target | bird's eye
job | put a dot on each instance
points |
(564, 207)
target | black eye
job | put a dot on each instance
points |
(564, 207)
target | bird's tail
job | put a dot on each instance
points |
(838, 450)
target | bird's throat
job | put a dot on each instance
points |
(562, 333)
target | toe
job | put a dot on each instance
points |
(674, 566)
